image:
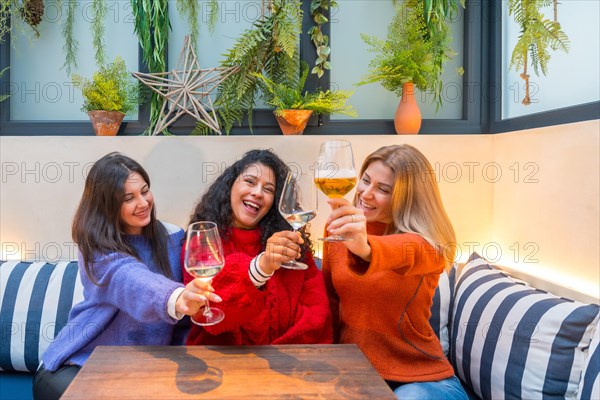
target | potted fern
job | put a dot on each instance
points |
(108, 96)
(293, 106)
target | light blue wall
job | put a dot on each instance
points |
(572, 77)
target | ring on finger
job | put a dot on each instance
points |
(353, 218)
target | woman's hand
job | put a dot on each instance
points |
(282, 247)
(194, 296)
(349, 222)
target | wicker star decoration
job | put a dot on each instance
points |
(187, 91)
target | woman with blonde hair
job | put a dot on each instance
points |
(382, 278)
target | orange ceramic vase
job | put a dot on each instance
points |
(407, 119)
(293, 122)
(106, 123)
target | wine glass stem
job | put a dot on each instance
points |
(293, 262)
(207, 312)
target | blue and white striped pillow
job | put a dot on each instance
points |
(589, 387)
(440, 308)
(35, 301)
(511, 341)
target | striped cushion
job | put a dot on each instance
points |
(511, 341)
(440, 309)
(35, 300)
(589, 387)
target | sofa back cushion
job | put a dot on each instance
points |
(513, 341)
(589, 387)
(35, 301)
(440, 308)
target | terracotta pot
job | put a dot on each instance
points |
(293, 122)
(407, 119)
(106, 123)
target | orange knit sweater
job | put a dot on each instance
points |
(384, 306)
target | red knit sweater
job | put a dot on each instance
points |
(291, 308)
(377, 305)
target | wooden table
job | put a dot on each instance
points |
(228, 372)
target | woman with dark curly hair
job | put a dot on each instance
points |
(263, 303)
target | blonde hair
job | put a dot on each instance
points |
(416, 204)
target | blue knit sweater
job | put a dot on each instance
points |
(129, 307)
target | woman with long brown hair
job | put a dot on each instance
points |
(130, 271)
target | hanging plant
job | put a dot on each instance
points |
(436, 14)
(32, 12)
(99, 11)
(15, 14)
(152, 29)
(269, 47)
(191, 10)
(3, 96)
(538, 34)
(5, 13)
(318, 8)
(71, 44)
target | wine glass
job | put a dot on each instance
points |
(298, 205)
(203, 259)
(335, 174)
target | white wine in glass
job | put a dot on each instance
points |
(336, 187)
(203, 259)
(335, 175)
(298, 205)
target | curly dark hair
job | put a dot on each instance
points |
(215, 204)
